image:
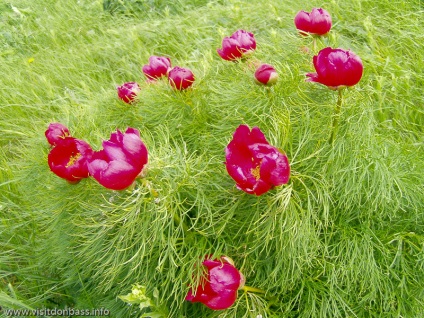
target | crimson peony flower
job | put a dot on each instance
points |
(56, 133)
(218, 290)
(158, 66)
(68, 159)
(180, 78)
(266, 74)
(120, 161)
(241, 43)
(253, 163)
(317, 22)
(336, 68)
(128, 91)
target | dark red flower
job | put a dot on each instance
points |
(336, 68)
(128, 91)
(218, 290)
(68, 159)
(317, 22)
(56, 133)
(120, 161)
(180, 78)
(266, 74)
(158, 66)
(253, 163)
(241, 43)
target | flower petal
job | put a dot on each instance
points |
(114, 151)
(275, 170)
(222, 301)
(222, 277)
(118, 175)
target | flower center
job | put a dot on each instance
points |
(73, 159)
(64, 135)
(256, 172)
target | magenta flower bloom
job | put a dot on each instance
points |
(121, 160)
(158, 66)
(266, 74)
(241, 43)
(219, 289)
(253, 163)
(56, 133)
(68, 159)
(336, 68)
(317, 22)
(128, 91)
(180, 78)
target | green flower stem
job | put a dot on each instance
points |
(271, 299)
(314, 44)
(248, 289)
(336, 116)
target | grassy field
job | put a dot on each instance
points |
(345, 236)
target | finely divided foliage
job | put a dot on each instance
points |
(343, 238)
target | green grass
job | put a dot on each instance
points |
(344, 238)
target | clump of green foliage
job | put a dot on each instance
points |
(344, 238)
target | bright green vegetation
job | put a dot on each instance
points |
(345, 237)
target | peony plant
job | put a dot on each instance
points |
(240, 44)
(68, 159)
(266, 74)
(56, 132)
(336, 69)
(218, 290)
(180, 78)
(316, 22)
(158, 67)
(127, 92)
(121, 160)
(253, 163)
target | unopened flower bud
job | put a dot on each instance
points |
(266, 75)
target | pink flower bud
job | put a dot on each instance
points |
(56, 133)
(317, 22)
(241, 43)
(128, 91)
(180, 78)
(266, 74)
(336, 68)
(218, 290)
(158, 66)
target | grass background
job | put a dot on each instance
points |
(344, 238)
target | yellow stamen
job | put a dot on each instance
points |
(64, 135)
(256, 172)
(73, 159)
